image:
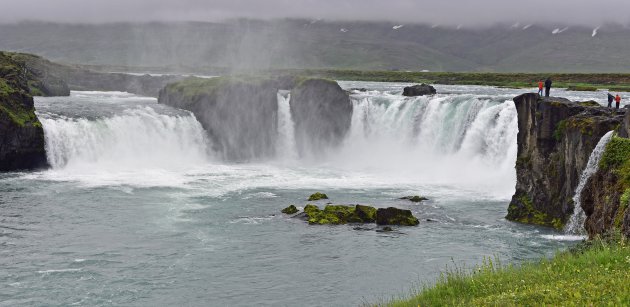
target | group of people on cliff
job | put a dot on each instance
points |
(547, 86)
(617, 100)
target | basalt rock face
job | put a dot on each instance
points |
(606, 195)
(419, 90)
(42, 80)
(555, 139)
(21, 133)
(322, 113)
(240, 114)
(47, 78)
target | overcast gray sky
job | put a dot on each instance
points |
(444, 12)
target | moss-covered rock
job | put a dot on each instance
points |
(555, 139)
(21, 133)
(395, 216)
(317, 196)
(338, 214)
(366, 214)
(415, 198)
(290, 210)
(606, 195)
(522, 210)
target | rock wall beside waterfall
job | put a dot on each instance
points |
(240, 114)
(555, 139)
(21, 133)
(606, 195)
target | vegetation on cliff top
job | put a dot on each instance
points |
(13, 90)
(616, 159)
(594, 273)
(578, 81)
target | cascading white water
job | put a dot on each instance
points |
(576, 222)
(135, 139)
(460, 139)
(286, 149)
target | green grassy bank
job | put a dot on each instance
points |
(596, 273)
(587, 82)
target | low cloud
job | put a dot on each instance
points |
(444, 12)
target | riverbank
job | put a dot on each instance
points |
(573, 81)
(592, 273)
(586, 82)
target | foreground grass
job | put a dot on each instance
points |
(595, 273)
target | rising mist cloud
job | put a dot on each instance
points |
(443, 12)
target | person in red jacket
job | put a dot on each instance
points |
(540, 87)
(617, 101)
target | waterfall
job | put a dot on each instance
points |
(462, 139)
(576, 222)
(286, 149)
(134, 139)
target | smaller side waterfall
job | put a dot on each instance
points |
(286, 149)
(576, 222)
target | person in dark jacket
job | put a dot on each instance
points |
(610, 100)
(547, 87)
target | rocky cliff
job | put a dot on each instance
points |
(47, 78)
(240, 114)
(555, 139)
(21, 133)
(606, 195)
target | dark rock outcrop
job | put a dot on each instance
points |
(606, 195)
(415, 198)
(419, 90)
(395, 216)
(21, 133)
(322, 113)
(47, 78)
(342, 214)
(240, 113)
(43, 80)
(555, 139)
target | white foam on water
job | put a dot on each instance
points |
(563, 237)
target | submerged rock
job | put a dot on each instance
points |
(395, 216)
(419, 90)
(317, 196)
(290, 210)
(415, 199)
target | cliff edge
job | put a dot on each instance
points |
(555, 139)
(21, 133)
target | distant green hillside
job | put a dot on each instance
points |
(283, 44)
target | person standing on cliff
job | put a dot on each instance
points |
(540, 87)
(610, 100)
(617, 101)
(547, 87)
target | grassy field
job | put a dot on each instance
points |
(587, 82)
(596, 273)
